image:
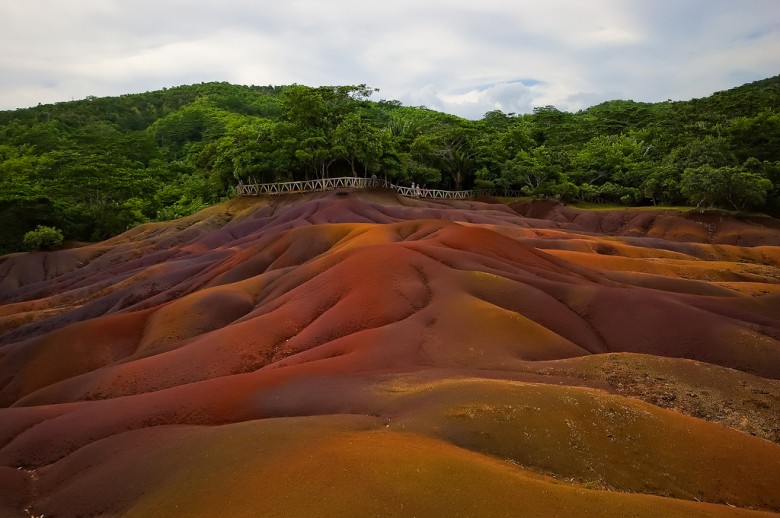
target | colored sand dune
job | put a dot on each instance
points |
(362, 354)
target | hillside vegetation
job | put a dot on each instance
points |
(96, 167)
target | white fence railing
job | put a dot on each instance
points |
(351, 182)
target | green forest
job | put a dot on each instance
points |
(96, 167)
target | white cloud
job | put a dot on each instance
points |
(458, 56)
(509, 97)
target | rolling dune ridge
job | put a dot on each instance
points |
(362, 354)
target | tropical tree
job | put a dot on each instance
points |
(531, 171)
(757, 136)
(728, 187)
(617, 158)
(359, 142)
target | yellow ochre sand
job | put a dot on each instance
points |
(362, 354)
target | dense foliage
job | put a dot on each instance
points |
(98, 166)
(43, 238)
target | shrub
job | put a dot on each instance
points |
(183, 207)
(43, 238)
(564, 191)
(484, 184)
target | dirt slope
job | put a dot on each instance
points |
(362, 354)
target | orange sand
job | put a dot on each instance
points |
(370, 355)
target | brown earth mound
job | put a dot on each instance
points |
(364, 354)
(674, 225)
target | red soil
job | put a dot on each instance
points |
(390, 356)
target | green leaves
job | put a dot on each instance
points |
(617, 158)
(43, 238)
(359, 142)
(95, 167)
(729, 186)
(532, 170)
(757, 137)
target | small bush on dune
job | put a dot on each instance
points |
(43, 238)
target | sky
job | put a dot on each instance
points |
(460, 57)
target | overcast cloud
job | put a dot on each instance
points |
(461, 57)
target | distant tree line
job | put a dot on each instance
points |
(95, 167)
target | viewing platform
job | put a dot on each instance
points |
(351, 182)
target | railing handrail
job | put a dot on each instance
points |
(326, 184)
